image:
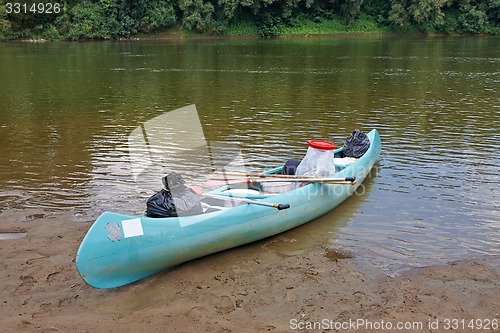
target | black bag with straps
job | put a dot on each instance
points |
(176, 199)
(356, 144)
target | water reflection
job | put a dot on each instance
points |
(67, 109)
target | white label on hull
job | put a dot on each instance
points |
(132, 228)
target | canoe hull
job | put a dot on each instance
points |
(120, 249)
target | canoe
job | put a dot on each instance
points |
(121, 249)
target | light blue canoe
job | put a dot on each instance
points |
(120, 249)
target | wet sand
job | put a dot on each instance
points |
(248, 289)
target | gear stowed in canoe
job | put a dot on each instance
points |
(120, 249)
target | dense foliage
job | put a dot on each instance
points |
(104, 19)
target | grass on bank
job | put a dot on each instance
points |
(308, 26)
(336, 25)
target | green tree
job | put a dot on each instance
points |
(428, 11)
(197, 15)
(158, 18)
(89, 19)
(428, 15)
(398, 15)
(472, 19)
(28, 22)
(493, 11)
(4, 22)
(351, 9)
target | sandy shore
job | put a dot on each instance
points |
(248, 289)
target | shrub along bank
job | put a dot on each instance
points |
(111, 19)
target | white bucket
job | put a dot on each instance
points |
(277, 187)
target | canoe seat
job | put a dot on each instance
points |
(342, 163)
(243, 193)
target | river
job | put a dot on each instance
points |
(67, 110)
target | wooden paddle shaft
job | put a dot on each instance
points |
(346, 180)
(260, 175)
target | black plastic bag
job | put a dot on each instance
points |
(175, 200)
(290, 167)
(161, 204)
(356, 144)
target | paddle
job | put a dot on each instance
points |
(217, 181)
(260, 175)
(278, 206)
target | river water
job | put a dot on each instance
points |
(67, 111)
